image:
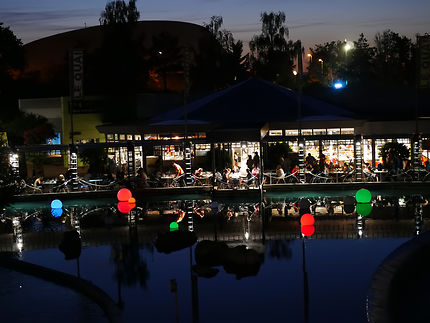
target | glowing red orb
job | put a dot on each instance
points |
(131, 200)
(125, 207)
(307, 219)
(307, 230)
(123, 195)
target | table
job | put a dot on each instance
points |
(379, 174)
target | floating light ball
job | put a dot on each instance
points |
(131, 200)
(307, 230)
(307, 219)
(57, 212)
(363, 196)
(363, 209)
(123, 195)
(125, 207)
(174, 226)
(56, 204)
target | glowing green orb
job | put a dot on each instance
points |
(174, 226)
(363, 209)
(363, 196)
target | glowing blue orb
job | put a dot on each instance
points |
(57, 212)
(56, 204)
(338, 85)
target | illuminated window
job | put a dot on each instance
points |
(320, 131)
(333, 131)
(347, 131)
(137, 137)
(307, 132)
(129, 137)
(291, 132)
(121, 137)
(109, 137)
(152, 136)
(275, 132)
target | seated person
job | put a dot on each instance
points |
(179, 174)
(198, 173)
(38, 182)
(279, 171)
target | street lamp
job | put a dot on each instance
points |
(310, 57)
(322, 64)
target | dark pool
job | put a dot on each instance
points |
(250, 261)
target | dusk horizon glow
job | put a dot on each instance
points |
(313, 23)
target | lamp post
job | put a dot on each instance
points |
(310, 57)
(322, 65)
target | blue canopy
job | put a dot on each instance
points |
(255, 102)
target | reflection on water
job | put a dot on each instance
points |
(229, 261)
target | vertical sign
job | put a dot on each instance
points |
(77, 89)
(424, 61)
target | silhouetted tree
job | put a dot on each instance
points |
(120, 59)
(272, 55)
(118, 12)
(394, 58)
(360, 63)
(220, 56)
(11, 62)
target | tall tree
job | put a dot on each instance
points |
(118, 12)
(222, 55)
(360, 64)
(120, 59)
(11, 62)
(272, 53)
(394, 58)
(327, 61)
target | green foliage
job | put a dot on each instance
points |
(118, 12)
(275, 153)
(96, 159)
(390, 150)
(28, 129)
(11, 62)
(272, 55)
(222, 159)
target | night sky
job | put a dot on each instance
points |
(312, 21)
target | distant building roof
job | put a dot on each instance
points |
(255, 102)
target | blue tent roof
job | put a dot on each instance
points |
(255, 101)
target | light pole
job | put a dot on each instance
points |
(310, 57)
(322, 65)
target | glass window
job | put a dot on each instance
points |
(150, 136)
(121, 137)
(291, 132)
(109, 137)
(137, 137)
(275, 132)
(347, 131)
(129, 137)
(307, 132)
(320, 131)
(333, 131)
